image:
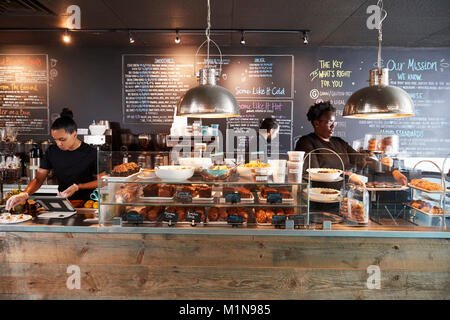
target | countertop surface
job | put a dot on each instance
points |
(80, 223)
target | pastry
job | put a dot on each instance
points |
(151, 190)
(213, 214)
(244, 192)
(261, 216)
(223, 215)
(166, 190)
(204, 191)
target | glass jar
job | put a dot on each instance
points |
(355, 205)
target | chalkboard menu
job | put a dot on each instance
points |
(256, 77)
(252, 112)
(423, 74)
(153, 84)
(24, 92)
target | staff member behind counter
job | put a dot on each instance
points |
(74, 163)
(269, 129)
(323, 118)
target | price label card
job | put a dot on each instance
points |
(194, 216)
(184, 196)
(134, 218)
(274, 198)
(232, 197)
(170, 216)
(278, 220)
(233, 219)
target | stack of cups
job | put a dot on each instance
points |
(278, 170)
(295, 166)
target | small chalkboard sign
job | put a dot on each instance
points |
(134, 218)
(274, 198)
(278, 220)
(194, 217)
(170, 217)
(298, 220)
(232, 197)
(184, 196)
(235, 220)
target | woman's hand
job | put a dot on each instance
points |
(15, 200)
(69, 191)
(399, 177)
(356, 179)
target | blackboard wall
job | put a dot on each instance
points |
(89, 81)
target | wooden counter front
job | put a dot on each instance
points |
(34, 265)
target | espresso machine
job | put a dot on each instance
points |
(34, 163)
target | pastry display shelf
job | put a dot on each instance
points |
(199, 180)
(198, 204)
(421, 217)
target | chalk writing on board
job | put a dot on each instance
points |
(24, 92)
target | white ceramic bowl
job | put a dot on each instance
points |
(174, 173)
(323, 193)
(324, 174)
(97, 129)
(201, 163)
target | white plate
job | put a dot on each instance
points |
(156, 199)
(25, 217)
(388, 189)
(264, 200)
(321, 180)
(316, 194)
(144, 177)
(430, 214)
(311, 198)
(120, 179)
(203, 200)
(424, 190)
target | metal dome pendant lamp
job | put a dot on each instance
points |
(208, 100)
(379, 100)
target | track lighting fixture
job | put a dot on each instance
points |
(242, 38)
(305, 37)
(130, 37)
(177, 38)
(66, 37)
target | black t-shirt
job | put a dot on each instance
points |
(351, 158)
(69, 167)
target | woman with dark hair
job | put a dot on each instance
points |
(74, 163)
(323, 119)
(259, 146)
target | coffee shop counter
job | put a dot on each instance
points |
(40, 260)
(44, 189)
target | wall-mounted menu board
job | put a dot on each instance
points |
(423, 74)
(253, 112)
(153, 84)
(24, 92)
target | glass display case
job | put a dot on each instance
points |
(157, 189)
(162, 189)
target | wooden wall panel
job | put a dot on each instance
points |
(34, 265)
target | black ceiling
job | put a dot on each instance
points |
(410, 23)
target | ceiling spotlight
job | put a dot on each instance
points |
(242, 37)
(131, 37)
(305, 37)
(66, 37)
(177, 39)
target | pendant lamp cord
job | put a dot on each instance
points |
(383, 15)
(208, 31)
